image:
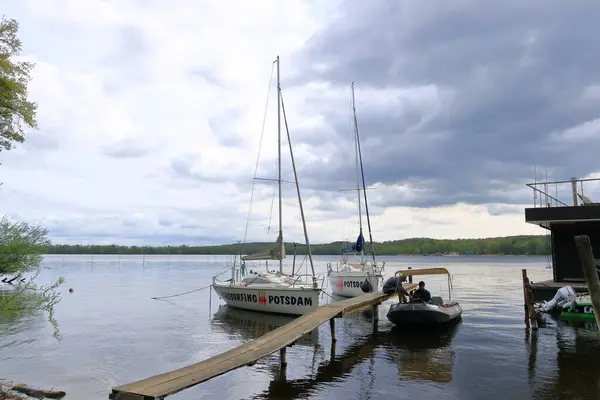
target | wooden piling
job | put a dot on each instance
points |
(283, 356)
(530, 316)
(586, 257)
(332, 352)
(332, 328)
(375, 317)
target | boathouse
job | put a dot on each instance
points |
(565, 219)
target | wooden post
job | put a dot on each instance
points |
(528, 297)
(332, 352)
(332, 327)
(282, 353)
(586, 257)
(375, 317)
(574, 191)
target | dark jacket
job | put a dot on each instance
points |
(422, 294)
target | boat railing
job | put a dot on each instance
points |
(297, 277)
(379, 269)
(329, 267)
(234, 268)
(567, 193)
(338, 264)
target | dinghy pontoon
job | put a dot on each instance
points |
(416, 312)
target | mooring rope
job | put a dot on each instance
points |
(322, 291)
(181, 294)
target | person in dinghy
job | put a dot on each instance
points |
(422, 294)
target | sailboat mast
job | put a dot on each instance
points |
(363, 176)
(279, 161)
(362, 250)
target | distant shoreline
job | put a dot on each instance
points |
(320, 255)
(510, 245)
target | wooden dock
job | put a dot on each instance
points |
(159, 386)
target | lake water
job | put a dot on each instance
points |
(114, 333)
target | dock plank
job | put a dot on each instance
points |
(162, 385)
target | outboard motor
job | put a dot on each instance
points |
(366, 286)
(563, 295)
(389, 287)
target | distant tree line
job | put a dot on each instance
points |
(516, 245)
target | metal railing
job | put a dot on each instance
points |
(553, 194)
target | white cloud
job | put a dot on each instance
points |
(129, 92)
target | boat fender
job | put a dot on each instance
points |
(366, 286)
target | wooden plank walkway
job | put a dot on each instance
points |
(160, 386)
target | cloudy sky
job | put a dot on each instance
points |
(151, 112)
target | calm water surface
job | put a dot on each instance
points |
(114, 333)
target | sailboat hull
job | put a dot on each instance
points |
(349, 284)
(288, 301)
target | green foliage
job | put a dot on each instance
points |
(517, 245)
(15, 109)
(22, 246)
(29, 299)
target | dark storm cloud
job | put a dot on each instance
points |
(505, 78)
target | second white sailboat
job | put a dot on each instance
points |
(348, 279)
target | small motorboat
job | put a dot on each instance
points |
(580, 308)
(419, 313)
(564, 295)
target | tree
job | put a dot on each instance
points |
(22, 246)
(15, 108)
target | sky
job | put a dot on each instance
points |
(151, 115)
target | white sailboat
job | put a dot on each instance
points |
(350, 279)
(268, 291)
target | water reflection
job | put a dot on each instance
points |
(577, 374)
(247, 325)
(426, 356)
(422, 356)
